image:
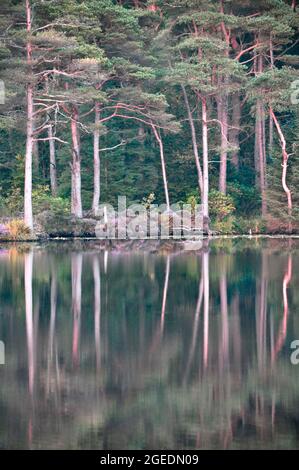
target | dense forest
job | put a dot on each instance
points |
(188, 101)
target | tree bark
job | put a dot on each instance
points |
(28, 216)
(76, 167)
(159, 140)
(53, 169)
(194, 140)
(96, 163)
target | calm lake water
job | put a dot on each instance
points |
(149, 351)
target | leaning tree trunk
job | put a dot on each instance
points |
(205, 154)
(285, 158)
(194, 140)
(53, 169)
(159, 140)
(96, 163)
(76, 167)
(28, 216)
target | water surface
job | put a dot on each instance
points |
(107, 350)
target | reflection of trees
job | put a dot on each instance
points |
(28, 267)
(205, 384)
(76, 302)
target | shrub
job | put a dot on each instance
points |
(220, 205)
(245, 226)
(43, 201)
(15, 201)
(18, 230)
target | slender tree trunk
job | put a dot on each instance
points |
(235, 131)
(285, 158)
(271, 127)
(28, 216)
(194, 140)
(260, 145)
(96, 163)
(158, 137)
(205, 153)
(76, 167)
(53, 169)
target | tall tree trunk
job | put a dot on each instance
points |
(53, 169)
(96, 163)
(28, 216)
(76, 167)
(205, 154)
(260, 144)
(285, 158)
(194, 140)
(159, 140)
(235, 128)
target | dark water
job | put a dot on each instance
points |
(150, 351)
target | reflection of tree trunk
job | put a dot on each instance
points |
(224, 317)
(236, 334)
(261, 316)
(160, 330)
(53, 313)
(206, 281)
(97, 309)
(165, 291)
(282, 334)
(76, 302)
(195, 327)
(28, 268)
